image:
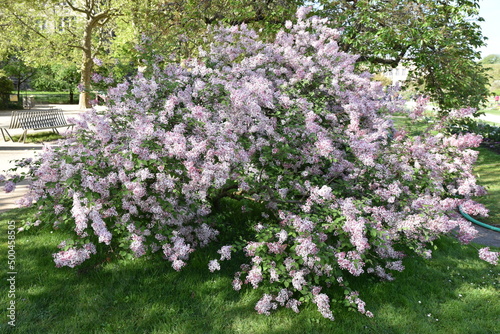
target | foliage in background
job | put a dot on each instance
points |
(57, 77)
(382, 79)
(6, 85)
(6, 88)
(18, 70)
(435, 39)
(490, 59)
(179, 27)
(62, 32)
(78, 31)
(493, 71)
(326, 189)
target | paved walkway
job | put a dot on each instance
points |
(11, 151)
(490, 118)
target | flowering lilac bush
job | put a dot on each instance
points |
(286, 127)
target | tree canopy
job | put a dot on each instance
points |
(53, 32)
(79, 31)
(435, 39)
(491, 59)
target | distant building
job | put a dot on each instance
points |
(397, 74)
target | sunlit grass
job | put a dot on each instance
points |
(39, 137)
(495, 112)
(487, 170)
(454, 292)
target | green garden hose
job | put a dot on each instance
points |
(469, 218)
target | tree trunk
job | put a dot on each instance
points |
(87, 64)
(18, 90)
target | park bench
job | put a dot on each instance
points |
(35, 120)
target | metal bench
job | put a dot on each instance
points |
(35, 120)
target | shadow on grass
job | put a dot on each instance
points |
(126, 297)
(148, 296)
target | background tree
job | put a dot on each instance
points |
(436, 39)
(6, 87)
(19, 71)
(492, 64)
(491, 59)
(57, 77)
(179, 26)
(60, 31)
(111, 28)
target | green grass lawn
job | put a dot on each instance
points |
(495, 112)
(454, 292)
(29, 92)
(39, 137)
(487, 170)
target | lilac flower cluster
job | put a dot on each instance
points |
(292, 126)
(489, 256)
(74, 256)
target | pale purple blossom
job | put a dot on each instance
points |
(213, 265)
(9, 186)
(254, 276)
(325, 192)
(276, 247)
(306, 247)
(137, 245)
(353, 298)
(100, 228)
(489, 256)
(74, 256)
(282, 236)
(178, 264)
(303, 11)
(265, 305)
(96, 77)
(350, 261)
(79, 214)
(225, 252)
(293, 304)
(237, 283)
(97, 61)
(473, 208)
(298, 279)
(273, 275)
(323, 302)
(252, 247)
(283, 296)
(466, 232)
